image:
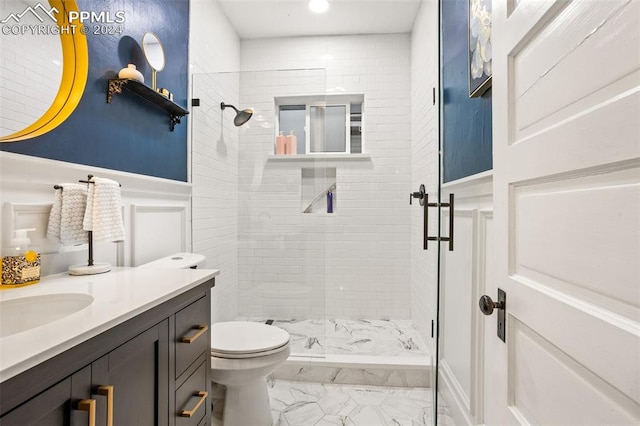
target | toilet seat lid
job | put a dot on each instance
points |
(244, 337)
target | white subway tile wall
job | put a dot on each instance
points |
(284, 259)
(354, 263)
(424, 164)
(282, 255)
(214, 49)
(30, 74)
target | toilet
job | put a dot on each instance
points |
(243, 354)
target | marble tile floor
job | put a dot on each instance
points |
(352, 373)
(316, 404)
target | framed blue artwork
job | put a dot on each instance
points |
(479, 47)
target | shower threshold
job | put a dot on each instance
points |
(361, 352)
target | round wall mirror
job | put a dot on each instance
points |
(154, 53)
(45, 74)
(31, 79)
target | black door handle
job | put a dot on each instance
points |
(424, 201)
(487, 306)
(418, 194)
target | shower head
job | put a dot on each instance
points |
(241, 116)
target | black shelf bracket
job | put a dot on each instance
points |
(173, 120)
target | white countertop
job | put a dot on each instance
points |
(119, 295)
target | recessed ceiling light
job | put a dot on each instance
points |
(318, 6)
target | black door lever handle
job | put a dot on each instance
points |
(418, 194)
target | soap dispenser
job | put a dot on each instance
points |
(292, 144)
(20, 261)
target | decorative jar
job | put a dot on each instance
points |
(131, 73)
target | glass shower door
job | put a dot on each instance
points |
(273, 249)
(348, 277)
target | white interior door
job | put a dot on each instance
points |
(566, 93)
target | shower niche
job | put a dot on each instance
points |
(318, 190)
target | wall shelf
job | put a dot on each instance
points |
(176, 112)
(320, 157)
(316, 183)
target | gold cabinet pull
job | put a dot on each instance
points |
(107, 391)
(90, 406)
(189, 413)
(202, 329)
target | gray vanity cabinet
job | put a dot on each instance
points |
(123, 385)
(129, 379)
(52, 407)
(150, 370)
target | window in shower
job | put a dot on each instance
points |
(322, 124)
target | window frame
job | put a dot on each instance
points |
(343, 100)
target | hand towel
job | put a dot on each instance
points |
(104, 211)
(67, 214)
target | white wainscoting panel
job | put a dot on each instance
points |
(55, 257)
(457, 281)
(485, 329)
(26, 194)
(25, 216)
(464, 273)
(157, 231)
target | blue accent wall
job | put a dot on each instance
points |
(466, 138)
(129, 134)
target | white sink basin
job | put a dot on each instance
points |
(25, 313)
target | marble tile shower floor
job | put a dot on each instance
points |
(380, 338)
(358, 352)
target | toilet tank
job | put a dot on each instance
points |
(178, 261)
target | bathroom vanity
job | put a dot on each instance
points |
(127, 347)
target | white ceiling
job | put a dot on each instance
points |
(287, 18)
